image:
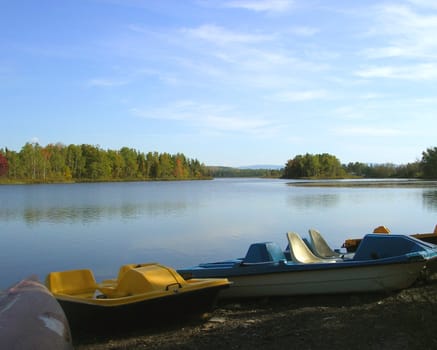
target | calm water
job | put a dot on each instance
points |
(102, 226)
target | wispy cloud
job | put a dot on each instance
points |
(220, 35)
(425, 3)
(304, 31)
(367, 131)
(249, 59)
(271, 6)
(300, 96)
(100, 82)
(424, 71)
(207, 117)
(409, 30)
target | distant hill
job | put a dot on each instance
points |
(250, 171)
(263, 166)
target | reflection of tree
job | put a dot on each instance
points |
(91, 214)
(430, 199)
(321, 200)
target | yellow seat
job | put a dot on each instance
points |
(71, 282)
(146, 278)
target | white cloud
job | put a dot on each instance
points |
(424, 71)
(256, 59)
(408, 31)
(222, 36)
(372, 96)
(367, 131)
(235, 124)
(426, 100)
(272, 6)
(300, 96)
(304, 31)
(99, 82)
(424, 3)
(349, 113)
(211, 118)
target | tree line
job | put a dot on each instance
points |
(61, 163)
(328, 166)
(80, 163)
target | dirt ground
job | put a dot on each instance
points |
(401, 320)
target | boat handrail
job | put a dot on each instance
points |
(278, 262)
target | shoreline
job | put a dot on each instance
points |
(366, 183)
(71, 182)
(400, 320)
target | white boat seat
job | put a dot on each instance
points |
(300, 253)
(320, 246)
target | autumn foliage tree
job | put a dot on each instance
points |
(57, 162)
(4, 165)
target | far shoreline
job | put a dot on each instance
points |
(364, 183)
(69, 182)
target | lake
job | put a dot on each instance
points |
(101, 226)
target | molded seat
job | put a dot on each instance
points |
(71, 282)
(267, 252)
(320, 246)
(143, 279)
(299, 251)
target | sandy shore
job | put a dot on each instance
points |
(402, 320)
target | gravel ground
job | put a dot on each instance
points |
(402, 320)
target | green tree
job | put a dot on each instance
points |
(429, 163)
(75, 161)
(130, 157)
(198, 169)
(165, 166)
(357, 168)
(153, 164)
(143, 167)
(32, 161)
(314, 166)
(411, 170)
(57, 160)
(97, 163)
(117, 164)
(87, 162)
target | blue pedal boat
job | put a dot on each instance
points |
(382, 263)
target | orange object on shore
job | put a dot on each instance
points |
(381, 229)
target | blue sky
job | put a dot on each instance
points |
(229, 82)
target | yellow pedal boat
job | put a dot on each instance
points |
(141, 294)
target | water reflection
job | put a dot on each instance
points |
(102, 226)
(85, 215)
(430, 199)
(318, 200)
